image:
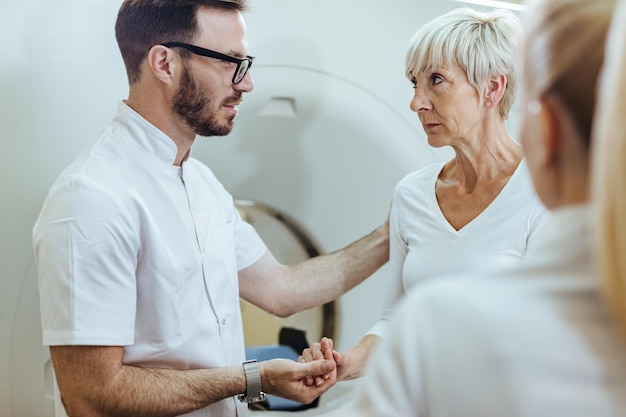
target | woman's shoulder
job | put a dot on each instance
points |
(417, 182)
(426, 174)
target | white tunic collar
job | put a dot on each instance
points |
(144, 134)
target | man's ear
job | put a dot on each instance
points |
(496, 86)
(162, 62)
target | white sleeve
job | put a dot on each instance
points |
(86, 248)
(398, 250)
(249, 247)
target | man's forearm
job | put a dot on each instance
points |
(360, 259)
(287, 289)
(160, 392)
(326, 277)
(91, 386)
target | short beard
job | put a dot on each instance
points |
(192, 105)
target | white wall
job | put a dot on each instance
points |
(332, 167)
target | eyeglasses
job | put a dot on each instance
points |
(243, 65)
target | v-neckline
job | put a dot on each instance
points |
(469, 225)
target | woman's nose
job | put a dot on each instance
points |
(420, 100)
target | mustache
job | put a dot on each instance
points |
(234, 99)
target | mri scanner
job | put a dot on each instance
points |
(321, 141)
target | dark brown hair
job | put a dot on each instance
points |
(142, 24)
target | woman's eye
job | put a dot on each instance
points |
(436, 79)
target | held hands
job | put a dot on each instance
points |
(350, 364)
(323, 350)
(287, 379)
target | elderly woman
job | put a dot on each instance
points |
(539, 339)
(478, 208)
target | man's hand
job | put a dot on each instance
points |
(286, 378)
(321, 350)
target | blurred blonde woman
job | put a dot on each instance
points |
(536, 340)
(609, 185)
(479, 208)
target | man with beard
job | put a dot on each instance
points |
(141, 254)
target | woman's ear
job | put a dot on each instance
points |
(496, 86)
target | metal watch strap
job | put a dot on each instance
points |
(253, 383)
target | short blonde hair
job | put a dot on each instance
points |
(483, 44)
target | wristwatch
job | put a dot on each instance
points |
(253, 383)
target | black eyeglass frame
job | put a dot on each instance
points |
(214, 54)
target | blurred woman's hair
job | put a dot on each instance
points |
(563, 54)
(609, 168)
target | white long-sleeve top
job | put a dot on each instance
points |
(529, 341)
(423, 244)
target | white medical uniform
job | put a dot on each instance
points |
(133, 251)
(423, 244)
(531, 341)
